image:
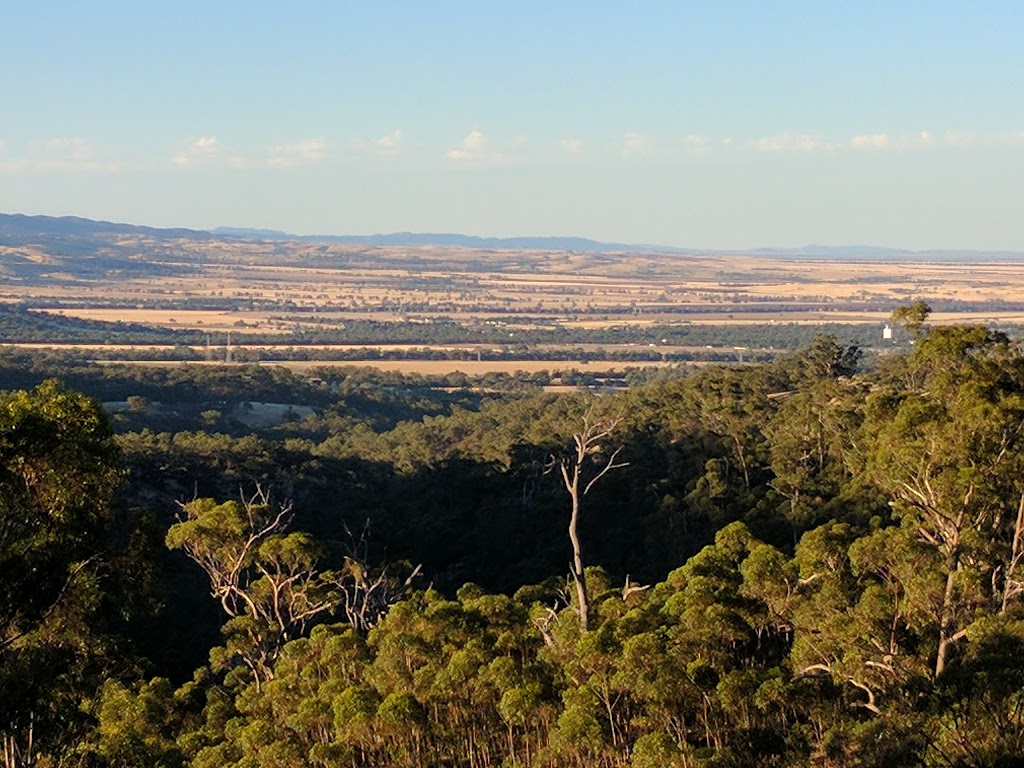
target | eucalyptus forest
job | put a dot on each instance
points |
(812, 561)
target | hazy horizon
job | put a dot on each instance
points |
(687, 125)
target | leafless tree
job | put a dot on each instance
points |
(588, 462)
(367, 592)
(266, 578)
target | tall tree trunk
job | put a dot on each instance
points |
(1009, 582)
(946, 628)
(588, 444)
(578, 573)
(743, 462)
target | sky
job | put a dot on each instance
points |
(721, 124)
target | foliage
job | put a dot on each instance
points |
(69, 573)
(799, 563)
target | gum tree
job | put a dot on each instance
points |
(590, 459)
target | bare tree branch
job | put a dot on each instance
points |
(588, 443)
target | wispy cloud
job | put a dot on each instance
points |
(297, 153)
(907, 141)
(471, 148)
(957, 139)
(388, 145)
(207, 144)
(696, 145)
(63, 153)
(58, 154)
(977, 139)
(477, 150)
(391, 143)
(884, 141)
(871, 141)
(203, 148)
(636, 145)
(572, 146)
(793, 142)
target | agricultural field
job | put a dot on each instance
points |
(203, 297)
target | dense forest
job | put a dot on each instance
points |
(803, 562)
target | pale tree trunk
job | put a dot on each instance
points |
(946, 618)
(578, 574)
(16, 754)
(588, 444)
(1011, 586)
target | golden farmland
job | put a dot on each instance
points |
(224, 287)
(350, 281)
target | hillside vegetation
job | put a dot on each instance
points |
(784, 564)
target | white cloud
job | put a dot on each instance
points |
(959, 139)
(389, 144)
(195, 150)
(972, 138)
(471, 147)
(476, 150)
(58, 154)
(205, 144)
(871, 141)
(793, 142)
(572, 146)
(696, 145)
(304, 151)
(923, 138)
(772, 143)
(636, 145)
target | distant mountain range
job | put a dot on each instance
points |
(449, 240)
(18, 229)
(20, 225)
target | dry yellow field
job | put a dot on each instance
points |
(228, 287)
(240, 321)
(371, 284)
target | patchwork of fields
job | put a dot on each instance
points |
(247, 299)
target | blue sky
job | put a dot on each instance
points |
(715, 124)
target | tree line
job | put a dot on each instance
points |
(21, 324)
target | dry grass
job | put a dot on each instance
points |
(307, 285)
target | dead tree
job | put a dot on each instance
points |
(581, 470)
(266, 578)
(368, 592)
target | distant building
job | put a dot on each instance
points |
(887, 332)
